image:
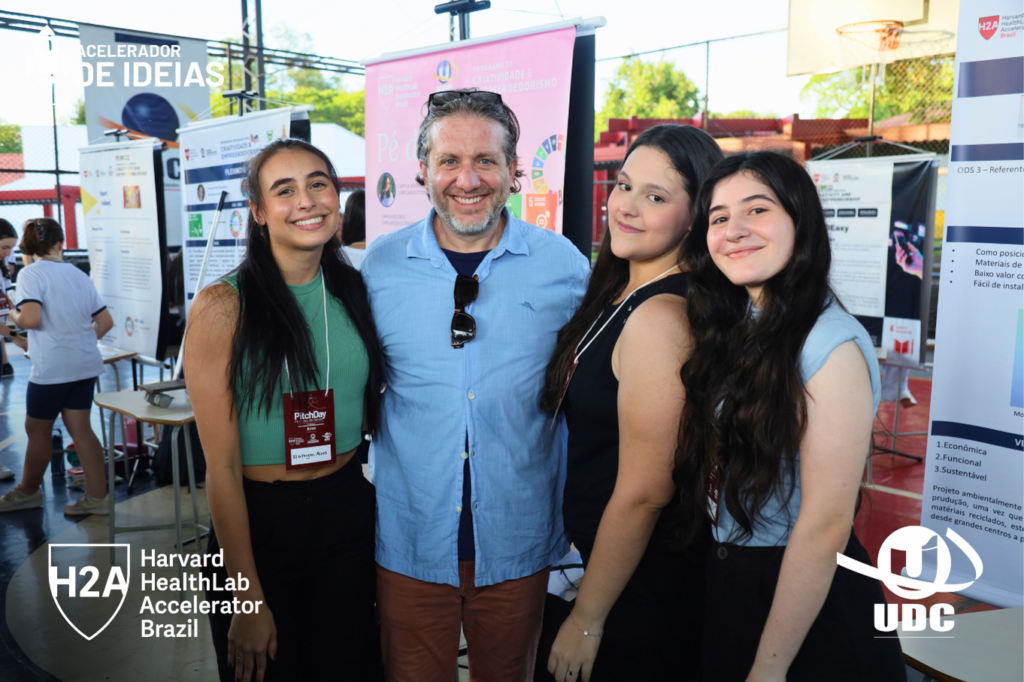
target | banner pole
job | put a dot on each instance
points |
(202, 275)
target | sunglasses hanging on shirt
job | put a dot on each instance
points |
(463, 324)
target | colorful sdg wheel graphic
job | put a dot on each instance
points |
(129, 325)
(236, 224)
(548, 168)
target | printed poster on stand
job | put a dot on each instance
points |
(120, 208)
(214, 155)
(880, 214)
(974, 469)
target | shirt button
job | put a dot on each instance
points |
(476, 505)
(722, 553)
(458, 510)
(474, 452)
(472, 395)
(465, 455)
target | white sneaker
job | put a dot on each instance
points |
(5, 473)
(907, 398)
(16, 500)
(87, 505)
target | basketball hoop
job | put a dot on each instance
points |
(882, 36)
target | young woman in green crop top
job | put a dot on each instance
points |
(283, 370)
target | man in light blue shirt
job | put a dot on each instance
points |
(469, 472)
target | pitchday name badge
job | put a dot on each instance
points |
(309, 429)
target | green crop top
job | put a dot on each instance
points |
(262, 437)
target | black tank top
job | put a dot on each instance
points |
(592, 416)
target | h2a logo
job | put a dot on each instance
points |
(83, 582)
(987, 26)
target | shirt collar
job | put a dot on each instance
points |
(424, 245)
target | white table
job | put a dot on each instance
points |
(984, 647)
(179, 415)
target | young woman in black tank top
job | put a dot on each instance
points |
(615, 374)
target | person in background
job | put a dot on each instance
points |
(282, 365)
(781, 391)
(639, 607)
(896, 384)
(8, 240)
(353, 228)
(469, 472)
(65, 317)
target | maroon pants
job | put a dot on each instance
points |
(420, 626)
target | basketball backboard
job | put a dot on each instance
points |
(929, 27)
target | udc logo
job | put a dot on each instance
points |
(915, 541)
(84, 596)
(446, 71)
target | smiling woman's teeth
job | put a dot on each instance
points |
(467, 201)
(309, 221)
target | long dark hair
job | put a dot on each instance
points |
(6, 232)
(693, 153)
(272, 329)
(745, 408)
(353, 227)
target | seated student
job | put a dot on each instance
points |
(781, 390)
(65, 317)
(638, 612)
(282, 364)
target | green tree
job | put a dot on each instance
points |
(335, 105)
(326, 92)
(647, 89)
(78, 118)
(921, 88)
(10, 138)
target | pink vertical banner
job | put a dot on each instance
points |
(532, 75)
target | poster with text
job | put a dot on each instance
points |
(150, 85)
(878, 211)
(119, 211)
(213, 159)
(974, 476)
(532, 75)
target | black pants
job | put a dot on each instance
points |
(313, 544)
(841, 644)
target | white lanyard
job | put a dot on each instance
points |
(327, 377)
(579, 352)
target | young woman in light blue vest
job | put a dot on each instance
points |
(781, 391)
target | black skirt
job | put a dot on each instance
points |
(841, 644)
(653, 630)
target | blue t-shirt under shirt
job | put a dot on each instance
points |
(466, 264)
